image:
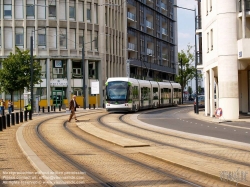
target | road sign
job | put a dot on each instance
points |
(218, 112)
(95, 87)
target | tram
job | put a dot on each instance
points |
(128, 94)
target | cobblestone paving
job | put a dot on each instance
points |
(173, 139)
(113, 169)
(15, 169)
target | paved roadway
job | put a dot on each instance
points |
(180, 119)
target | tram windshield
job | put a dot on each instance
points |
(117, 90)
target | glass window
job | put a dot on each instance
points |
(52, 10)
(0, 38)
(63, 38)
(72, 12)
(7, 11)
(81, 40)
(30, 10)
(89, 12)
(19, 36)
(41, 39)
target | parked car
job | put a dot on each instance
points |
(201, 102)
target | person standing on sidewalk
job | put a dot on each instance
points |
(10, 106)
(2, 107)
(72, 107)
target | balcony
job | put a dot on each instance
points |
(243, 48)
(199, 57)
(164, 31)
(149, 24)
(131, 47)
(131, 16)
(150, 52)
(198, 22)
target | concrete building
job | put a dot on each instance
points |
(142, 31)
(152, 39)
(226, 56)
(59, 29)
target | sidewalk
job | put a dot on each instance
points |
(203, 117)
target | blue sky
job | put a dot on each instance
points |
(185, 21)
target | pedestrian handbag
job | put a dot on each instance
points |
(68, 111)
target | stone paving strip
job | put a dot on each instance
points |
(204, 164)
(116, 170)
(110, 137)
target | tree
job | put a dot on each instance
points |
(15, 74)
(188, 70)
(190, 90)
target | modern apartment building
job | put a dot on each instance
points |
(152, 39)
(60, 29)
(144, 32)
(226, 56)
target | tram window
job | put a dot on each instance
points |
(155, 93)
(135, 92)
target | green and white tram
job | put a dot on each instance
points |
(128, 94)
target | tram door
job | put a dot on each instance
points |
(57, 96)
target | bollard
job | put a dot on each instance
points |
(51, 108)
(94, 106)
(48, 108)
(25, 115)
(21, 117)
(1, 124)
(59, 107)
(103, 105)
(54, 108)
(89, 106)
(8, 120)
(43, 109)
(39, 109)
(12, 118)
(30, 115)
(4, 122)
(17, 118)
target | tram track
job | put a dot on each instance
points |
(161, 143)
(94, 175)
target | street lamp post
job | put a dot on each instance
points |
(84, 86)
(181, 82)
(31, 75)
(196, 72)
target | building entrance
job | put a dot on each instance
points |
(57, 96)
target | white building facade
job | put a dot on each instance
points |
(226, 56)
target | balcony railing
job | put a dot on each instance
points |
(199, 57)
(131, 46)
(163, 6)
(150, 52)
(247, 5)
(164, 31)
(198, 22)
(131, 16)
(149, 24)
